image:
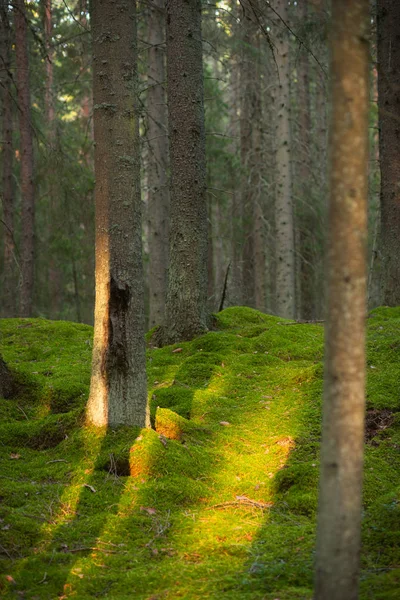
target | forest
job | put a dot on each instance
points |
(199, 299)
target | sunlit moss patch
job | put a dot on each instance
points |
(219, 499)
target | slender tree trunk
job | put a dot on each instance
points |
(26, 144)
(54, 275)
(9, 258)
(339, 511)
(285, 247)
(186, 307)
(118, 394)
(235, 283)
(388, 15)
(307, 212)
(248, 122)
(158, 198)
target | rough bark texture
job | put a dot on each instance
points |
(26, 146)
(186, 307)
(158, 197)
(388, 22)
(9, 264)
(285, 251)
(339, 512)
(118, 394)
(6, 380)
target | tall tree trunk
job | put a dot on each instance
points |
(186, 306)
(9, 264)
(158, 198)
(339, 511)
(307, 212)
(249, 121)
(388, 15)
(27, 188)
(285, 250)
(118, 394)
(54, 275)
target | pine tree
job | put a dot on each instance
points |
(339, 510)
(186, 306)
(118, 394)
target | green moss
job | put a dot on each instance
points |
(227, 508)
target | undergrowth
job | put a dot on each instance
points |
(219, 499)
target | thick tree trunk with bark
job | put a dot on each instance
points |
(26, 152)
(285, 246)
(118, 394)
(339, 511)
(9, 258)
(158, 197)
(388, 23)
(186, 307)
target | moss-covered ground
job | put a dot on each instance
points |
(219, 500)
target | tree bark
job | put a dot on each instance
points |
(158, 197)
(186, 306)
(8, 197)
(251, 158)
(285, 246)
(26, 146)
(339, 511)
(307, 213)
(118, 394)
(388, 26)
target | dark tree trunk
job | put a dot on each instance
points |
(27, 188)
(118, 394)
(339, 510)
(158, 198)
(9, 258)
(388, 22)
(6, 380)
(307, 213)
(186, 307)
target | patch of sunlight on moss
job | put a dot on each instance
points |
(220, 501)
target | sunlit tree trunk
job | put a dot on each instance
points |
(388, 15)
(9, 258)
(339, 511)
(285, 250)
(26, 152)
(118, 394)
(158, 197)
(186, 306)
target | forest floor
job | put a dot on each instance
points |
(219, 500)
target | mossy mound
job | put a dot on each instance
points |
(219, 501)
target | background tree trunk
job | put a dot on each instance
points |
(388, 24)
(118, 394)
(186, 307)
(158, 196)
(26, 144)
(284, 226)
(339, 511)
(8, 197)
